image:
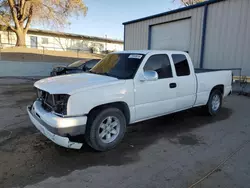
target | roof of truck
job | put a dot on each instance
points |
(149, 51)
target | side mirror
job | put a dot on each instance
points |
(149, 76)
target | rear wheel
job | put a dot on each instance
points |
(214, 103)
(105, 129)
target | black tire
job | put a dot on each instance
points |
(92, 130)
(209, 107)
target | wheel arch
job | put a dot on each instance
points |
(219, 87)
(123, 106)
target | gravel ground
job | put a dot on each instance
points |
(185, 149)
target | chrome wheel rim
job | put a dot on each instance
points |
(215, 102)
(109, 129)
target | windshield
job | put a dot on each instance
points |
(121, 66)
(76, 64)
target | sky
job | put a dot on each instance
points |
(105, 17)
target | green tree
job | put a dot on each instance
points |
(18, 14)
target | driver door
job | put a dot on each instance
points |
(155, 98)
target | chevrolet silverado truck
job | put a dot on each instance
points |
(123, 88)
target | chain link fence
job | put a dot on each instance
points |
(9, 52)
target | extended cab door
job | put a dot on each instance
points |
(154, 98)
(185, 80)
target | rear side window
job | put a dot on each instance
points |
(181, 65)
(161, 64)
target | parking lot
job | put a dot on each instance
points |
(186, 149)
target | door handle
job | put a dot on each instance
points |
(172, 85)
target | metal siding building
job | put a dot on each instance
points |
(218, 35)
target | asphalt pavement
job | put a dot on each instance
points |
(186, 149)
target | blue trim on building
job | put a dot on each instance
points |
(203, 39)
(124, 41)
(174, 11)
(149, 37)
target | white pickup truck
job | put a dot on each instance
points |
(123, 88)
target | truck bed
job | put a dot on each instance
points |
(206, 70)
(207, 79)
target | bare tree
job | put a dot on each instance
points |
(18, 14)
(190, 2)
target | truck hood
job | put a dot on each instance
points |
(72, 83)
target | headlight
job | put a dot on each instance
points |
(61, 101)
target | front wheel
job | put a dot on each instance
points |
(105, 129)
(214, 103)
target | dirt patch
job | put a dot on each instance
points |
(186, 139)
(28, 157)
(17, 89)
(26, 101)
(17, 95)
(5, 135)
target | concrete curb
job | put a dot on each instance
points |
(31, 78)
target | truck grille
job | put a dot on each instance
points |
(56, 103)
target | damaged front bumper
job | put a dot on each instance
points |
(56, 130)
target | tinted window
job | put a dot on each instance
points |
(181, 65)
(91, 63)
(121, 66)
(160, 64)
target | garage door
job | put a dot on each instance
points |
(171, 36)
